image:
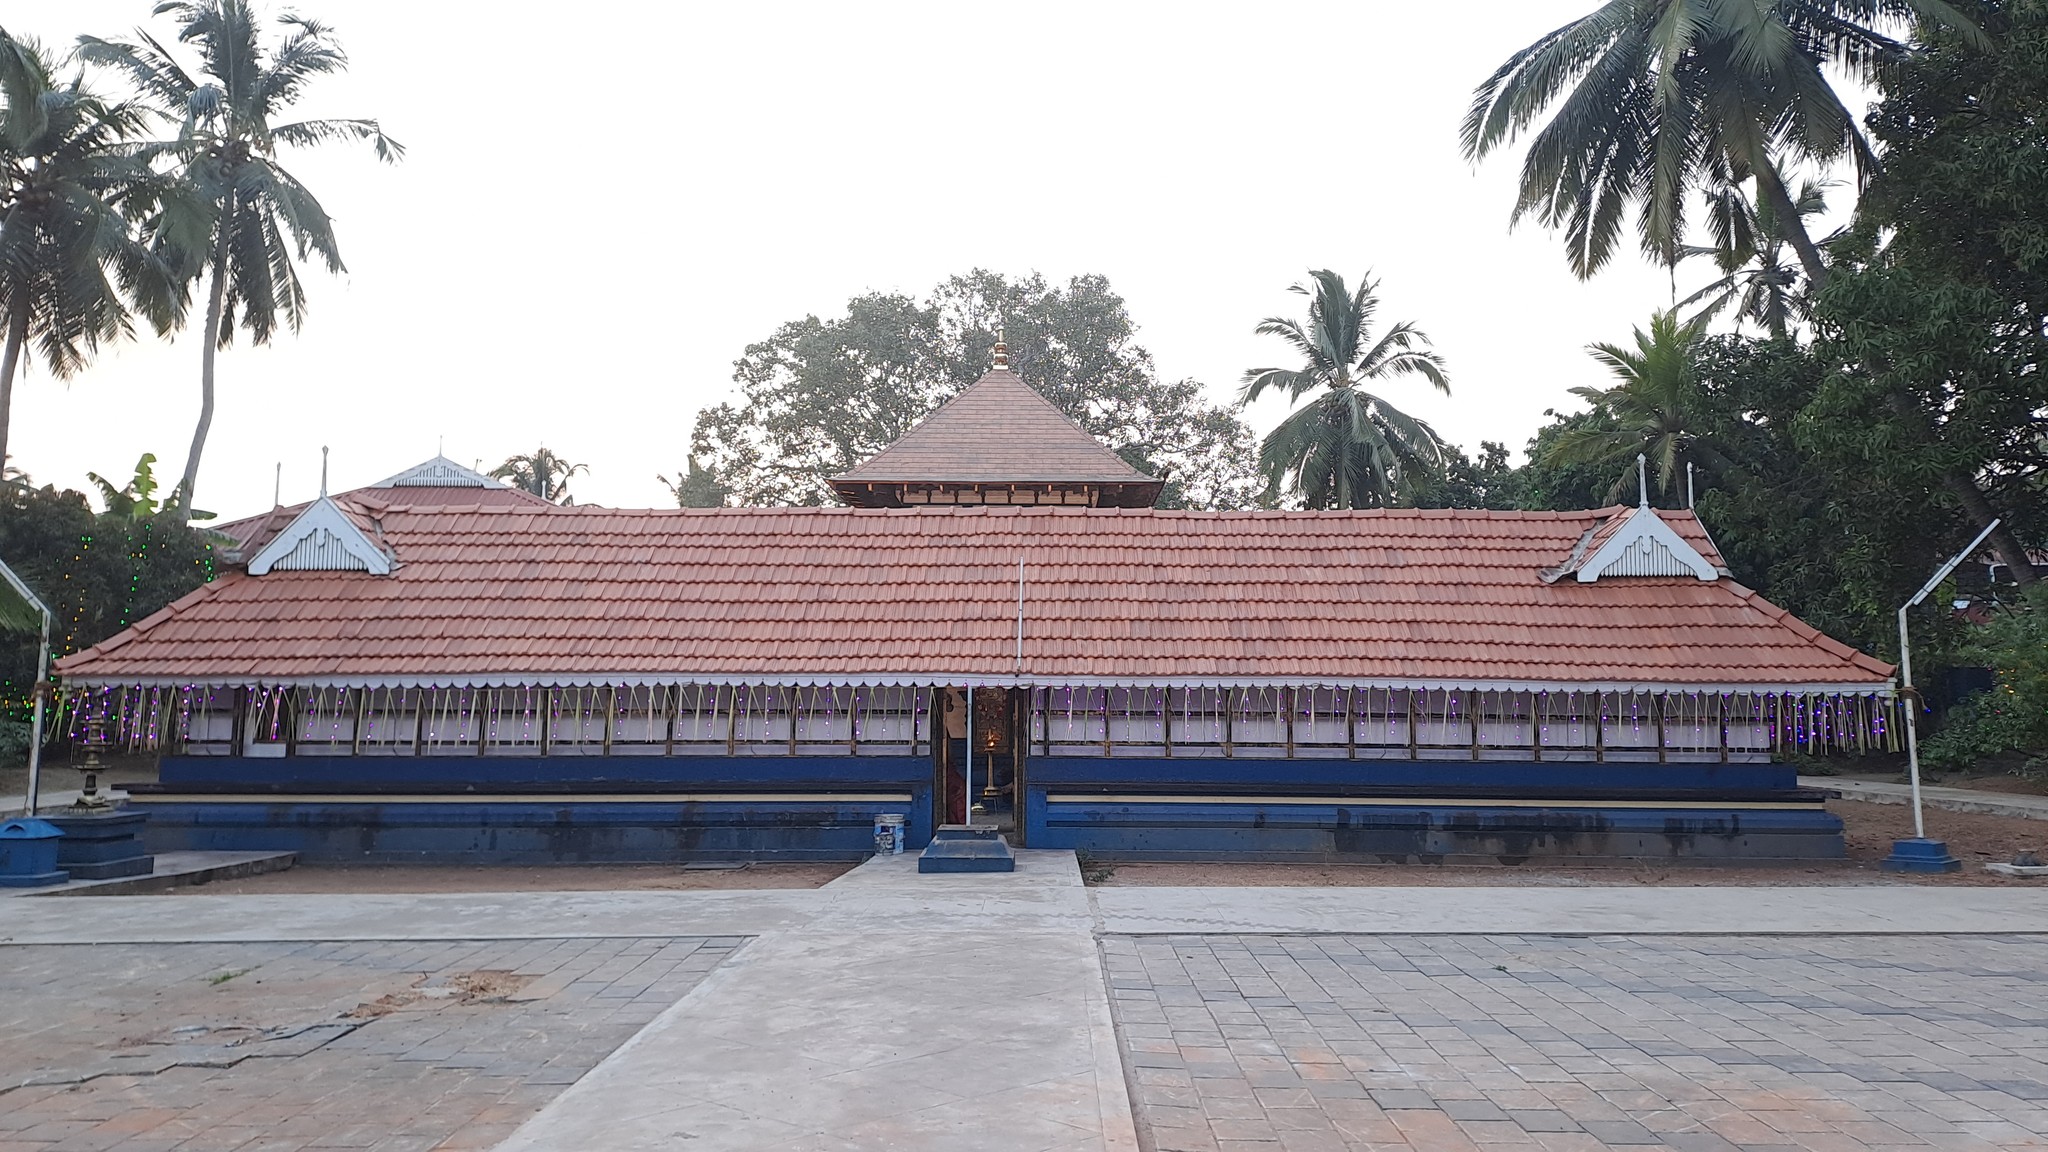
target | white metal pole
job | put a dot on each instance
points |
(967, 769)
(35, 724)
(1912, 723)
(1020, 615)
(35, 744)
(1906, 675)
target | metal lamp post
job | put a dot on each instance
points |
(40, 691)
(1920, 854)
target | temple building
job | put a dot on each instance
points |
(999, 619)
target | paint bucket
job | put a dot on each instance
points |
(889, 834)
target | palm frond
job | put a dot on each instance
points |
(305, 133)
(24, 81)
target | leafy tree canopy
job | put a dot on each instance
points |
(97, 572)
(820, 395)
(1939, 304)
(1464, 482)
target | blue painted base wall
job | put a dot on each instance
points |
(619, 809)
(536, 810)
(1425, 812)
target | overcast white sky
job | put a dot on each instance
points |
(605, 202)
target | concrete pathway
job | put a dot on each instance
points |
(1646, 911)
(1950, 799)
(902, 1015)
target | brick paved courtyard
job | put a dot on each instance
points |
(280, 1047)
(1561, 1044)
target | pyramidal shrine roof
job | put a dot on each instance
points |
(997, 442)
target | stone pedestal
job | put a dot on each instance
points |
(967, 848)
(102, 845)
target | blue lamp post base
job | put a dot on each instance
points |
(1920, 854)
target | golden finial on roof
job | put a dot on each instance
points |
(1002, 352)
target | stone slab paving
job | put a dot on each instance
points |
(889, 1010)
(1883, 909)
(965, 1013)
(1548, 1044)
(315, 1045)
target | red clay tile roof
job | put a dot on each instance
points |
(253, 532)
(589, 594)
(998, 429)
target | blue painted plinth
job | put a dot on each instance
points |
(102, 845)
(1919, 854)
(967, 848)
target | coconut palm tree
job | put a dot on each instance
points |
(1653, 95)
(540, 472)
(1348, 448)
(67, 161)
(1756, 280)
(1652, 409)
(246, 222)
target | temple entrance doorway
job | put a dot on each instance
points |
(996, 790)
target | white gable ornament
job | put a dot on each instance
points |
(1645, 545)
(321, 539)
(440, 472)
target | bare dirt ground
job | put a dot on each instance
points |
(1869, 830)
(330, 878)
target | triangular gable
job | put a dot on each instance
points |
(1641, 544)
(440, 472)
(321, 539)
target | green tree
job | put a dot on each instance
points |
(542, 473)
(1347, 448)
(1757, 281)
(1653, 410)
(1464, 482)
(2006, 726)
(1941, 301)
(1657, 99)
(66, 164)
(243, 221)
(820, 395)
(1838, 544)
(98, 572)
(1546, 484)
(136, 500)
(697, 487)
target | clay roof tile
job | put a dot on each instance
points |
(583, 592)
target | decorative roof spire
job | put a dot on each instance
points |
(1002, 353)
